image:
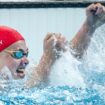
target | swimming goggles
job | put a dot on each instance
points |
(18, 54)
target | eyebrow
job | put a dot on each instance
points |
(21, 49)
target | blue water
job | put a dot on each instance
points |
(60, 95)
(71, 82)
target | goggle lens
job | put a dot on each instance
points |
(19, 54)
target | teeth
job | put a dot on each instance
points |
(20, 70)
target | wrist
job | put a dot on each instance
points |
(89, 27)
(48, 58)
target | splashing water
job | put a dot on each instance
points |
(94, 62)
(65, 72)
(71, 82)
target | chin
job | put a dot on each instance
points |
(18, 75)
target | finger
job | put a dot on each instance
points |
(48, 36)
(93, 10)
(90, 7)
(96, 9)
(64, 40)
(98, 4)
(57, 35)
(100, 9)
(61, 38)
(51, 40)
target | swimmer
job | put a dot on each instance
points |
(14, 53)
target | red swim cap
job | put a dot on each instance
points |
(8, 36)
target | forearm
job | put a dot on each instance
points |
(82, 39)
(44, 66)
(40, 73)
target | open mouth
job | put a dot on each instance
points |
(20, 72)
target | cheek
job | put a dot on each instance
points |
(12, 63)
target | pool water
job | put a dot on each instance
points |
(71, 82)
(60, 95)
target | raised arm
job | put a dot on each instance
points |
(52, 46)
(95, 17)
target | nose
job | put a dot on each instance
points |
(25, 61)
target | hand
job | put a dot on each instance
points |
(95, 15)
(54, 43)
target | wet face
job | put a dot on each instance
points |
(16, 59)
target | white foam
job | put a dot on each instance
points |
(5, 73)
(1, 103)
(65, 72)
